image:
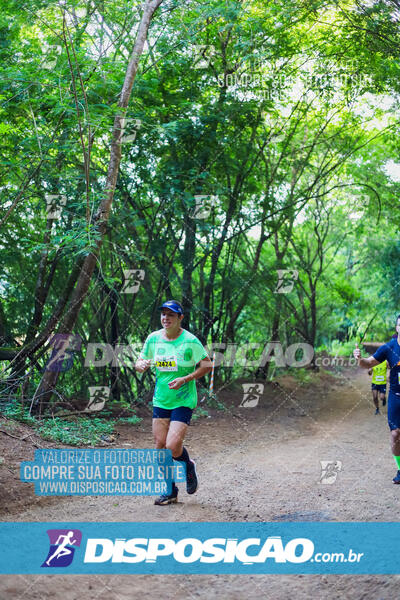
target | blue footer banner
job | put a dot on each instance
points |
(152, 548)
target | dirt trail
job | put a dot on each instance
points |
(259, 464)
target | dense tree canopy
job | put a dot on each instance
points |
(257, 181)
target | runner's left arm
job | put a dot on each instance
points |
(199, 372)
(204, 368)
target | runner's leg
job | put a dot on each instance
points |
(395, 433)
(160, 432)
(394, 425)
(375, 398)
(176, 436)
(382, 397)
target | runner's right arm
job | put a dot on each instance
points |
(145, 357)
(142, 365)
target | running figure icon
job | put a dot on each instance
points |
(62, 549)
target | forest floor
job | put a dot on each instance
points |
(254, 464)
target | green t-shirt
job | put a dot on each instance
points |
(172, 359)
(379, 373)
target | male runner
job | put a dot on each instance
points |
(378, 384)
(391, 353)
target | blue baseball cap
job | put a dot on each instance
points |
(172, 305)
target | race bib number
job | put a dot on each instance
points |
(166, 363)
(382, 378)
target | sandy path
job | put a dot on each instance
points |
(261, 464)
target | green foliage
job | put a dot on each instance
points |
(133, 420)
(210, 399)
(343, 348)
(18, 413)
(82, 431)
(303, 376)
(199, 412)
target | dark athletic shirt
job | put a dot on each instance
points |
(391, 353)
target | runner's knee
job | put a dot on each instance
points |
(160, 438)
(159, 444)
(395, 433)
(175, 445)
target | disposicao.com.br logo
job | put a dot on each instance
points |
(247, 551)
(198, 548)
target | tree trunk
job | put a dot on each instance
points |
(5, 335)
(187, 263)
(49, 380)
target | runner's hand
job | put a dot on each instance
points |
(176, 383)
(142, 365)
(357, 353)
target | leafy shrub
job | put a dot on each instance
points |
(82, 431)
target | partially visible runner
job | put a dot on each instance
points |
(174, 352)
(391, 353)
(378, 384)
